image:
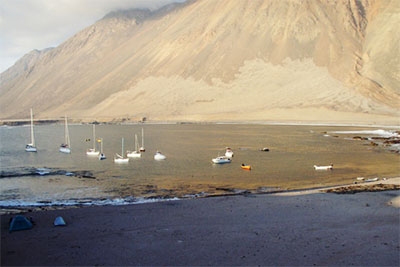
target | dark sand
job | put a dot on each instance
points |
(277, 229)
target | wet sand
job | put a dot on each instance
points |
(308, 227)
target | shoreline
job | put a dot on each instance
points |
(121, 121)
(310, 227)
(386, 184)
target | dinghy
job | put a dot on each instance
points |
(245, 167)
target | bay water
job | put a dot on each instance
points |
(78, 179)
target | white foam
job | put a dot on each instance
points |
(81, 202)
(380, 132)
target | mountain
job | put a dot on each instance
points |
(226, 60)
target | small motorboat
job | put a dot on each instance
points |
(323, 168)
(228, 152)
(245, 167)
(265, 149)
(221, 160)
(159, 156)
(371, 179)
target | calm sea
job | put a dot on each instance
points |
(188, 170)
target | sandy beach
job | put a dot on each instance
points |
(308, 227)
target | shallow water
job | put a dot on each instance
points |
(188, 170)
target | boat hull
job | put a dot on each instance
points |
(64, 149)
(123, 160)
(92, 152)
(134, 154)
(221, 160)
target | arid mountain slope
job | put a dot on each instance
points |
(220, 60)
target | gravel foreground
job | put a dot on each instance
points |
(302, 228)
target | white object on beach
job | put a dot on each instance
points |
(323, 168)
(372, 179)
(31, 146)
(159, 156)
(42, 171)
(66, 146)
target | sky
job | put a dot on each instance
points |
(26, 25)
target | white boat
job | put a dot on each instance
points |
(323, 168)
(101, 155)
(93, 151)
(142, 149)
(159, 156)
(120, 159)
(136, 153)
(228, 152)
(222, 160)
(66, 146)
(31, 147)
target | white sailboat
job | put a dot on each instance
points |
(136, 153)
(120, 159)
(92, 151)
(142, 149)
(102, 155)
(66, 146)
(31, 147)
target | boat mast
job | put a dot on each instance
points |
(32, 135)
(94, 137)
(67, 141)
(122, 150)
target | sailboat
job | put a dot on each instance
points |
(120, 159)
(92, 151)
(66, 146)
(136, 153)
(102, 155)
(142, 149)
(31, 146)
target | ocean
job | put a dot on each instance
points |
(187, 172)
